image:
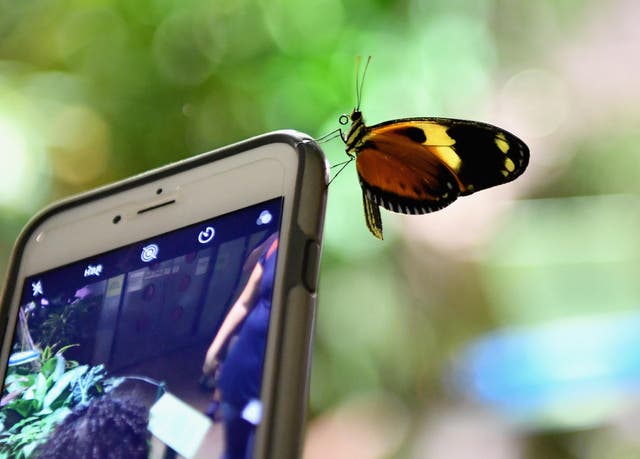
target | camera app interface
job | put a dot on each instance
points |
(155, 349)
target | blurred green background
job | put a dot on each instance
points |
(502, 327)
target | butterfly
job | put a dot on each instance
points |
(421, 165)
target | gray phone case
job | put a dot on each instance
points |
(285, 388)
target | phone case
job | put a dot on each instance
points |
(287, 363)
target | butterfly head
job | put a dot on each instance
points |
(354, 118)
(356, 132)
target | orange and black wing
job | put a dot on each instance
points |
(479, 155)
(403, 176)
(421, 165)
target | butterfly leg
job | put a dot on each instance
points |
(330, 136)
(343, 164)
(372, 216)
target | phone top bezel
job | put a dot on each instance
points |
(11, 286)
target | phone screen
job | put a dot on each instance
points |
(154, 349)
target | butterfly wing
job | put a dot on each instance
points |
(420, 165)
(479, 155)
(400, 177)
(372, 216)
(404, 176)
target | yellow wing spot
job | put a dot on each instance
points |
(508, 164)
(502, 143)
(505, 173)
(436, 133)
(448, 156)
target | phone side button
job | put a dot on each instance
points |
(311, 265)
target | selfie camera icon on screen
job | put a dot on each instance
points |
(206, 235)
(264, 218)
(149, 253)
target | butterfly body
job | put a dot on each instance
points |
(420, 165)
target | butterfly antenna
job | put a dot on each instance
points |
(343, 165)
(360, 81)
(358, 59)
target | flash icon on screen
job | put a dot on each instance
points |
(36, 288)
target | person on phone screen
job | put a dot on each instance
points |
(240, 374)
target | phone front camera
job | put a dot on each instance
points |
(116, 219)
(159, 191)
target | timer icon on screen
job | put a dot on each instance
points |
(206, 235)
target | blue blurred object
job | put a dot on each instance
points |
(571, 373)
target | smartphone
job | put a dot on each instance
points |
(170, 314)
